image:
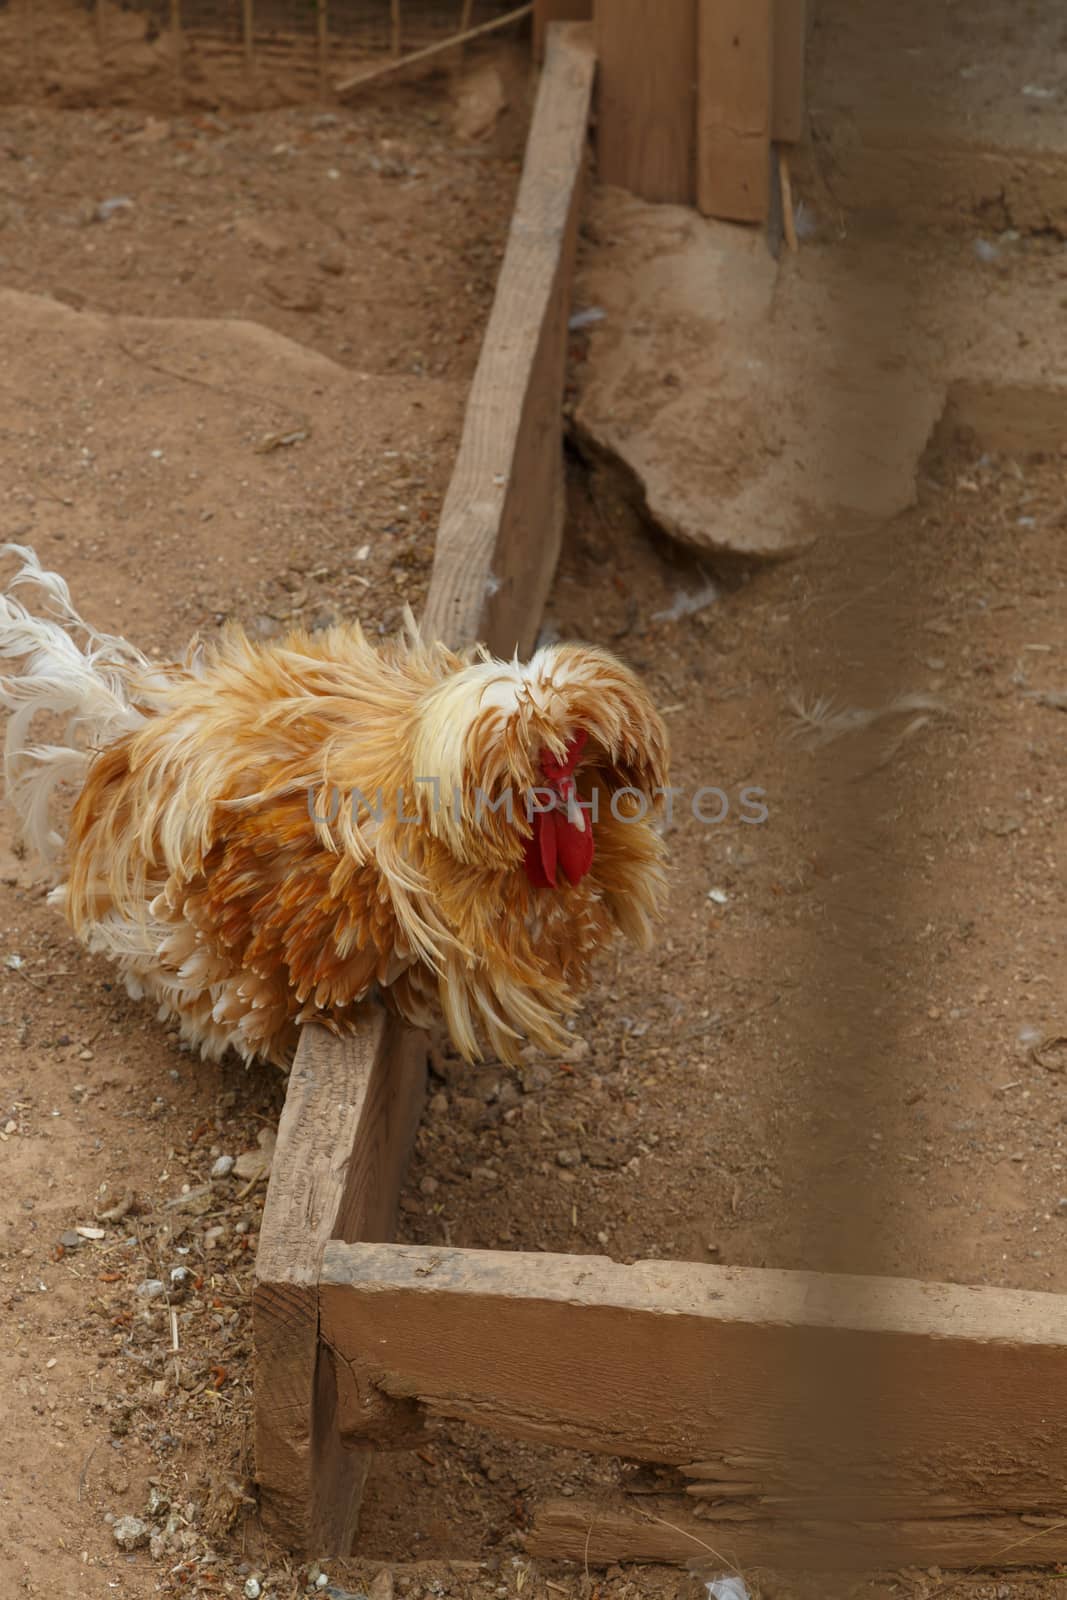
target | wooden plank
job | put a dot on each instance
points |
(646, 104)
(346, 85)
(589, 1532)
(546, 11)
(352, 1105)
(734, 108)
(502, 522)
(846, 1389)
(349, 1120)
(790, 44)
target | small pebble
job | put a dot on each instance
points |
(253, 1589)
(332, 260)
(151, 1288)
(70, 1240)
(568, 1158)
(222, 1167)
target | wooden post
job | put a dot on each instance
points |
(349, 1120)
(546, 11)
(735, 44)
(646, 98)
(248, 25)
(322, 30)
(790, 41)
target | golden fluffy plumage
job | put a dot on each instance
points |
(252, 844)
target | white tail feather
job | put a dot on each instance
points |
(89, 684)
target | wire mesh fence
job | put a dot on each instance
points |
(254, 51)
(374, 25)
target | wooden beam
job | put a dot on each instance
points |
(790, 44)
(646, 97)
(353, 1104)
(788, 1396)
(735, 40)
(349, 1120)
(571, 1350)
(546, 11)
(346, 85)
(602, 1535)
(502, 522)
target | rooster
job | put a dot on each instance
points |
(267, 833)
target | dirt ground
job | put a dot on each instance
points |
(239, 397)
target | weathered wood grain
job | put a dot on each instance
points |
(599, 1535)
(734, 98)
(345, 1133)
(798, 1393)
(502, 522)
(646, 103)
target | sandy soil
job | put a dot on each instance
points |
(849, 1015)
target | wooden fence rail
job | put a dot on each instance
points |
(353, 1104)
(830, 1422)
